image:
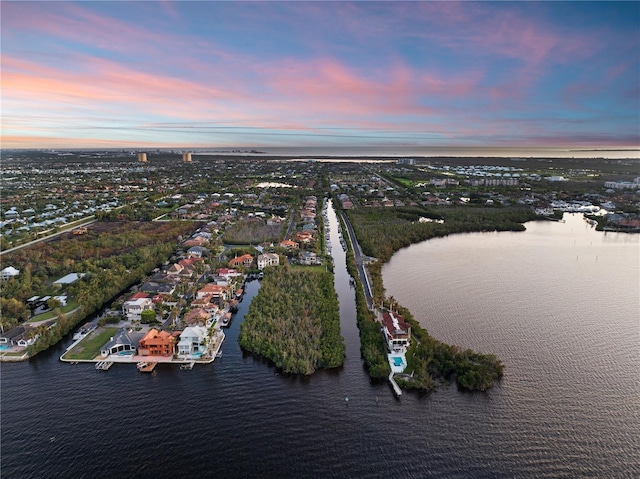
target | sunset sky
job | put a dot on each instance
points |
(221, 74)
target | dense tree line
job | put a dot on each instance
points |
(383, 231)
(432, 361)
(294, 321)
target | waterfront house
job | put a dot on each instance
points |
(193, 341)
(196, 316)
(133, 308)
(227, 273)
(304, 236)
(157, 343)
(14, 336)
(397, 332)
(308, 258)
(123, 342)
(213, 292)
(245, 260)
(205, 304)
(268, 259)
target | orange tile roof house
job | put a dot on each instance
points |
(157, 343)
(196, 316)
(289, 244)
(304, 236)
(213, 291)
(244, 260)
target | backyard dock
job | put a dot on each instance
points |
(145, 367)
(395, 386)
(103, 365)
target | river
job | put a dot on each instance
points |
(239, 417)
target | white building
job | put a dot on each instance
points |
(268, 259)
(133, 308)
(192, 341)
(8, 273)
(397, 332)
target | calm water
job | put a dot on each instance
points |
(560, 305)
(567, 407)
(450, 151)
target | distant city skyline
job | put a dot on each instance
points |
(275, 74)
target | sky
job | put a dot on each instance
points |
(225, 74)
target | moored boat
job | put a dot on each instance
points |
(146, 367)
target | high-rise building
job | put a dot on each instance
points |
(186, 157)
(142, 157)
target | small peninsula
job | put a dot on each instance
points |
(294, 321)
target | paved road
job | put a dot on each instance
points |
(360, 259)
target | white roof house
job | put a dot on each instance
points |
(133, 308)
(69, 279)
(9, 272)
(192, 341)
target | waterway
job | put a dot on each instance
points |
(560, 305)
(239, 417)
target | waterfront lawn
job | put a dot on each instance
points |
(90, 346)
(50, 314)
(319, 268)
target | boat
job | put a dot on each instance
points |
(187, 365)
(103, 365)
(146, 367)
(233, 306)
(226, 319)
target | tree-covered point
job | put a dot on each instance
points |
(430, 361)
(294, 321)
(383, 231)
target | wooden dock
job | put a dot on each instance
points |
(395, 386)
(145, 367)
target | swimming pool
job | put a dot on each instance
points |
(4, 347)
(397, 361)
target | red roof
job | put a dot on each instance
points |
(138, 296)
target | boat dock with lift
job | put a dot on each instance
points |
(188, 365)
(104, 365)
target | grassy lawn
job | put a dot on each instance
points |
(50, 314)
(317, 268)
(90, 346)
